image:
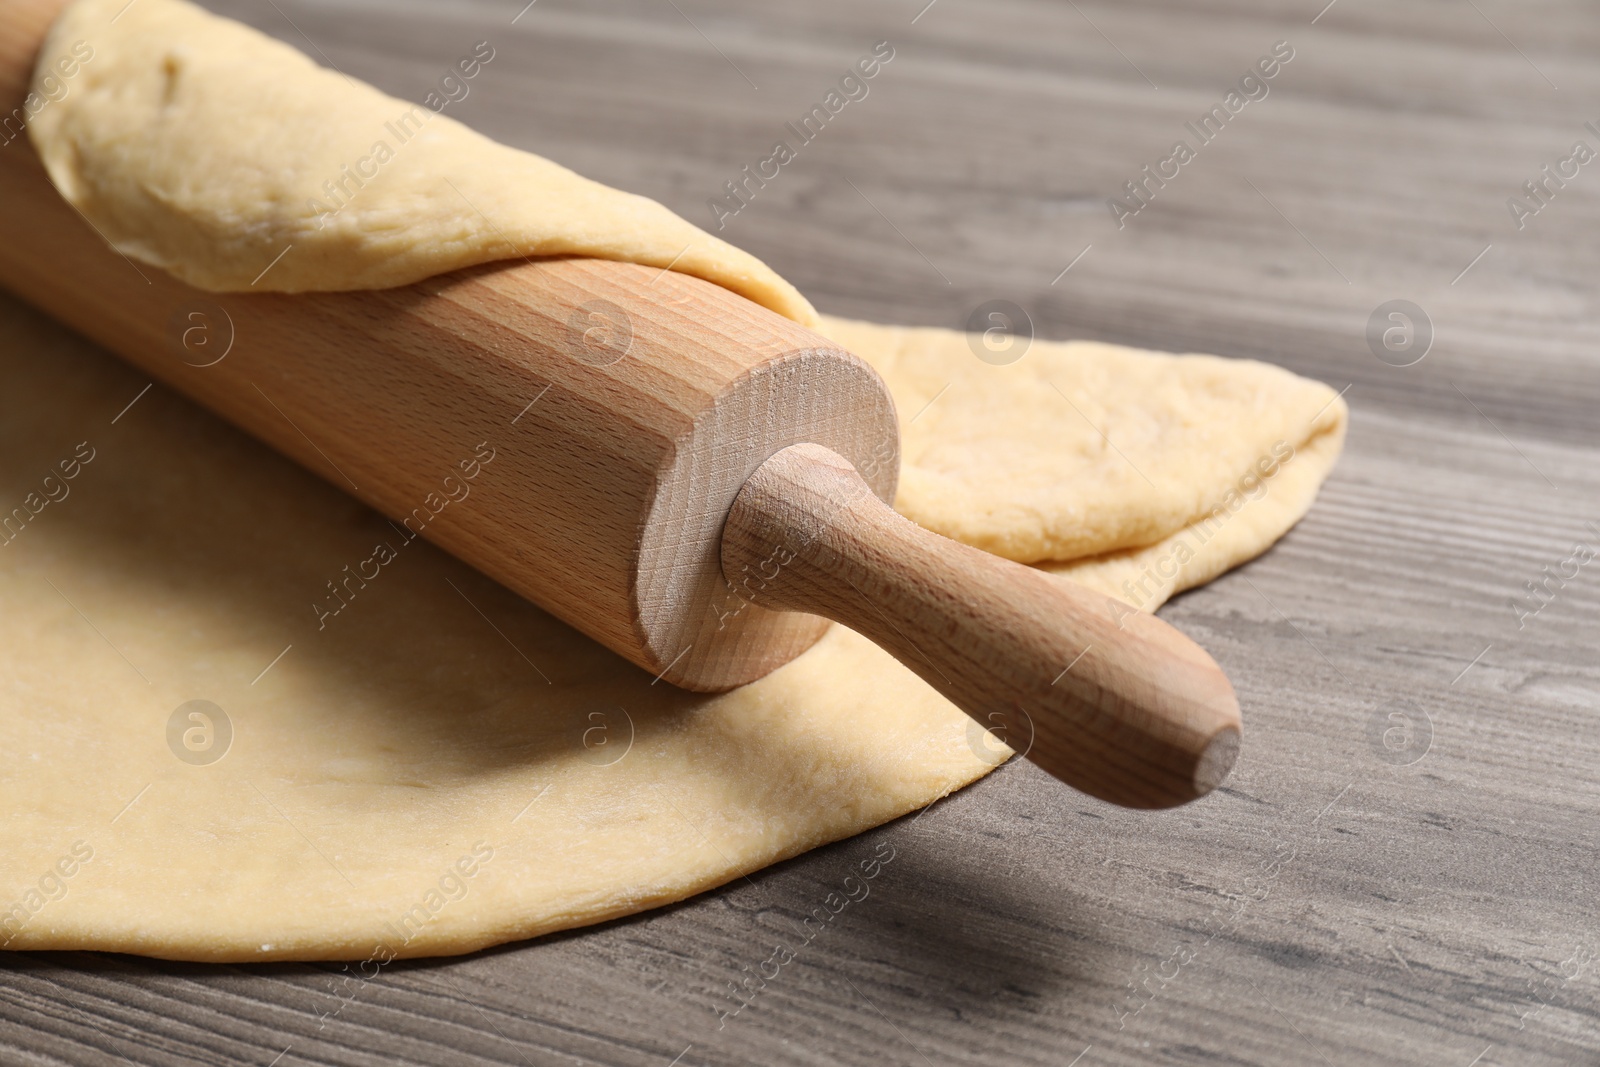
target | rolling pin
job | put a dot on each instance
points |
(688, 478)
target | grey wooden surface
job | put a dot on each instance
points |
(1358, 893)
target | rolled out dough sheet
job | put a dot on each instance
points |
(443, 767)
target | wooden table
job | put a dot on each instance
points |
(1403, 867)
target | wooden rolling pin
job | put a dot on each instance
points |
(688, 478)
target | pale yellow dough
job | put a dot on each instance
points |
(418, 731)
(196, 144)
(377, 752)
(1104, 456)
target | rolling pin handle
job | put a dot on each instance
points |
(1111, 701)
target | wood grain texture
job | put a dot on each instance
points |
(1110, 700)
(1340, 899)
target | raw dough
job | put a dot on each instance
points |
(201, 146)
(407, 782)
(378, 752)
(1081, 449)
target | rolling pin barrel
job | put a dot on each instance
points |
(691, 479)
